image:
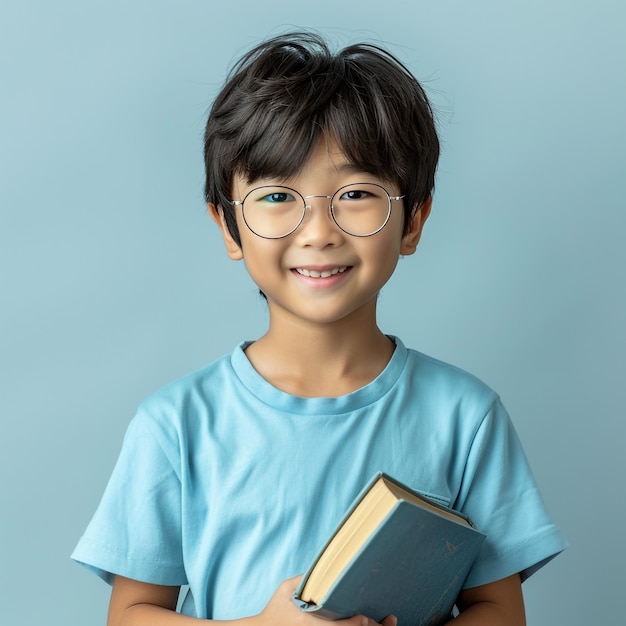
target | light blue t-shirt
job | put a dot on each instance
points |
(229, 485)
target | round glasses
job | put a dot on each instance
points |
(358, 209)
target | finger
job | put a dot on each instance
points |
(290, 584)
(362, 620)
(294, 579)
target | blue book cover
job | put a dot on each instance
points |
(412, 564)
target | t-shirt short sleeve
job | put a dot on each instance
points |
(498, 493)
(136, 530)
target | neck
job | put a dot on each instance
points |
(315, 360)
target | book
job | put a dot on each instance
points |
(395, 552)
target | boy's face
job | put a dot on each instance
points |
(318, 273)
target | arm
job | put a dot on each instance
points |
(134, 603)
(497, 604)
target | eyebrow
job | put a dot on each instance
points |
(340, 169)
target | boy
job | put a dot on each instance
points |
(320, 172)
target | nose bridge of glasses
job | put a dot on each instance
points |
(307, 204)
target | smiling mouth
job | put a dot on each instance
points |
(320, 274)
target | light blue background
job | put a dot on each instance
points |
(114, 280)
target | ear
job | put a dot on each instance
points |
(233, 249)
(411, 238)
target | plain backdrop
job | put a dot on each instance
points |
(114, 280)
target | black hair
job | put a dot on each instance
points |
(289, 91)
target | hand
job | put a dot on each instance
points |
(282, 611)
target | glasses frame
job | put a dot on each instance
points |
(306, 205)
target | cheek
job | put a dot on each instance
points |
(383, 257)
(262, 257)
(387, 247)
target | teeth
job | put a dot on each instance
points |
(324, 274)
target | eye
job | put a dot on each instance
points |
(278, 197)
(355, 194)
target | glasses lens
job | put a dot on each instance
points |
(361, 209)
(273, 212)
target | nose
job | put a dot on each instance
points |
(318, 228)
